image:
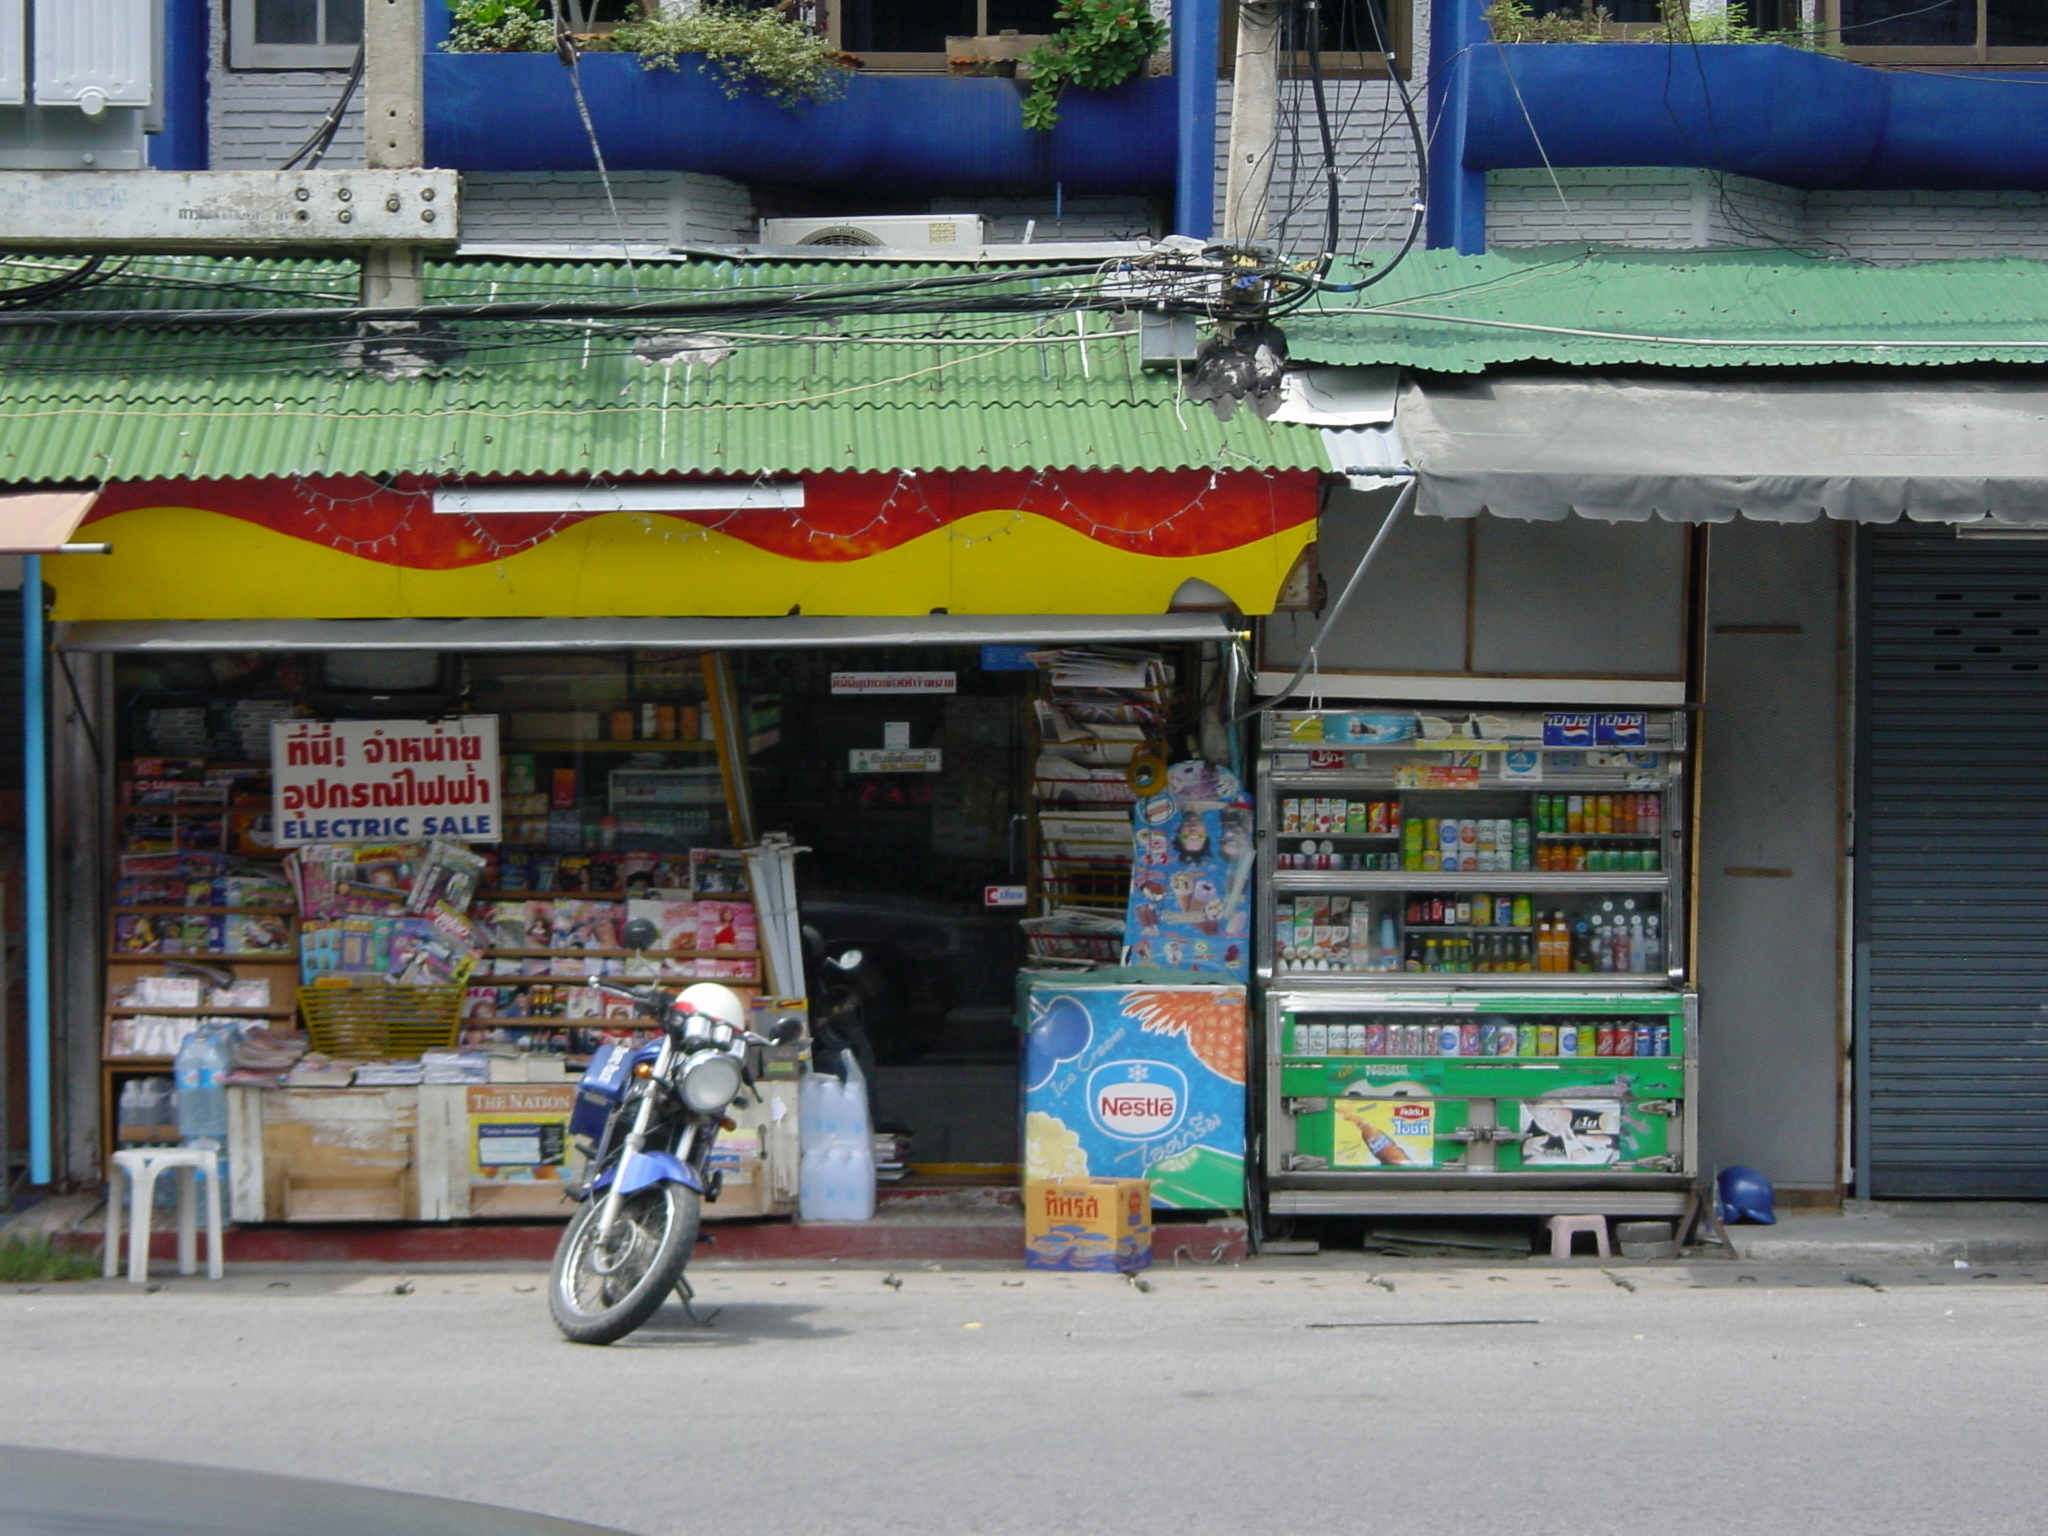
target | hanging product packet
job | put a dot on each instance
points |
(1190, 901)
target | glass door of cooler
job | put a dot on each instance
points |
(1421, 847)
(1399, 1085)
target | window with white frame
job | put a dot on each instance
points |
(294, 34)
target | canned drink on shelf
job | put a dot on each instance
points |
(1588, 1040)
(1354, 1039)
(1546, 1039)
(1469, 1040)
(1447, 1039)
(1624, 1038)
(1646, 1039)
(1526, 1043)
(1568, 1040)
(1660, 1042)
(1603, 1040)
(1507, 1040)
(1319, 1039)
(1355, 814)
(1375, 1039)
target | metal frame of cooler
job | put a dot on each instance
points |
(1450, 1191)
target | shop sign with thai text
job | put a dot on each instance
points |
(894, 682)
(378, 781)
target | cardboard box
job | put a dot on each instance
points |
(1097, 1224)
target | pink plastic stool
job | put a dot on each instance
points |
(1563, 1229)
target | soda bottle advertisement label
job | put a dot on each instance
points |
(1578, 1133)
(1384, 1133)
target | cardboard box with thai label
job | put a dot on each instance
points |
(1098, 1224)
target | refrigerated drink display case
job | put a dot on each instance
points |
(1473, 961)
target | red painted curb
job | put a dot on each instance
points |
(880, 1241)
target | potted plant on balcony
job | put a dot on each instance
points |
(748, 49)
(1099, 44)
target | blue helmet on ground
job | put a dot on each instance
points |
(1746, 1195)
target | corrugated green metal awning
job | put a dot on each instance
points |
(539, 396)
(1447, 313)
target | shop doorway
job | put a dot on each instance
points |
(904, 772)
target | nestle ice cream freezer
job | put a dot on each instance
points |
(1473, 963)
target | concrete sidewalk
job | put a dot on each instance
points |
(1904, 1232)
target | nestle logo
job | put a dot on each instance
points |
(1137, 1100)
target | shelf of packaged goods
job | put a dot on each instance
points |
(1640, 781)
(1588, 882)
(207, 957)
(1351, 837)
(620, 954)
(635, 1023)
(1315, 988)
(206, 1013)
(610, 746)
(1416, 745)
(1599, 837)
(267, 911)
(1417, 1058)
(1429, 930)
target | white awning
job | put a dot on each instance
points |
(619, 634)
(1627, 450)
(42, 522)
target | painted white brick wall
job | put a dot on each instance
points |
(257, 118)
(1375, 163)
(1646, 207)
(1894, 228)
(655, 207)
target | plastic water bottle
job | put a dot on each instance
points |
(836, 1180)
(200, 1071)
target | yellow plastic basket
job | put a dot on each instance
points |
(365, 1019)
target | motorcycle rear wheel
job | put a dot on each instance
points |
(648, 1247)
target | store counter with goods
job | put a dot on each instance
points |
(408, 1015)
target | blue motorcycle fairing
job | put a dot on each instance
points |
(647, 1170)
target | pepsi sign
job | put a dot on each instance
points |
(1137, 1100)
(1622, 730)
(1568, 730)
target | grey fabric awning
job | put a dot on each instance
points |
(1624, 450)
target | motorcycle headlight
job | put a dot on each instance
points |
(711, 1080)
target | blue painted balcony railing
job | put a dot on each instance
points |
(908, 135)
(1778, 114)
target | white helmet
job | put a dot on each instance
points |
(713, 1002)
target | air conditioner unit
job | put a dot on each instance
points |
(938, 234)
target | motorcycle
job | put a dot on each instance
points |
(654, 1113)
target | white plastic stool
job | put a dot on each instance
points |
(1563, 1229)
(142, 1165)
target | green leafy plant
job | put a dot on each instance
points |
(750, 49)
(757, 49)
(1099, 44)
(35, 1260)
(1518, 21)
(499, 26)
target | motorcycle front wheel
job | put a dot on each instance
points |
(600, 1292)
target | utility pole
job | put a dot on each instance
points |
(394, 133)
(1254, 124)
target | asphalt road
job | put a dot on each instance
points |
(1328, 1395)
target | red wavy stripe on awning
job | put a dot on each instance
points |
(845, 517)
